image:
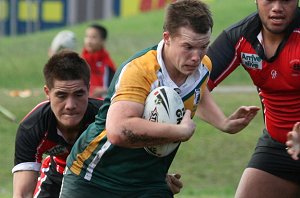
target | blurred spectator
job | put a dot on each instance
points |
(102, 66)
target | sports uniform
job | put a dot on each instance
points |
(37, 136)
(97, 166)
(278, 84)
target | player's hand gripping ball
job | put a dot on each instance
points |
(163, 105)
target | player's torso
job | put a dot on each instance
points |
(116, 163)
(38, 136)
(149, 73)
(278, 82)
(39, 128)
(280, 75)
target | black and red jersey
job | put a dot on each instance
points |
(38, 135)
(277, 78)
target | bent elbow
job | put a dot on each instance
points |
(114, 137)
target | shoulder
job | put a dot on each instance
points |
(250, 23)
(35, 125)
(141, 54)
(140, 65)
(39, 114)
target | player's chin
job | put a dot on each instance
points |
(71, 122)
(188, 70)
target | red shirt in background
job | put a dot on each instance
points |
(102, 68)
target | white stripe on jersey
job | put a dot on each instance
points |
(95, 161)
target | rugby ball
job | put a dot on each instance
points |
(163, 105)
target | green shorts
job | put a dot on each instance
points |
(74, 186)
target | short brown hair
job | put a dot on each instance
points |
(188, 13)
(66, 65)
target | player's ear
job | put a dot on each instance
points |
(46, 91)
(166, 37)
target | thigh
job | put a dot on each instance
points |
(260, 184)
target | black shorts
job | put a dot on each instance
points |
(271, 156)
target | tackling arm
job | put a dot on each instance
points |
(209, 111)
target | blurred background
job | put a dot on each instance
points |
(26, 16)
(211, 163)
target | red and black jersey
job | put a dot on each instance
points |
(37, 135)
(277, 78)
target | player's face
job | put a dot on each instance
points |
(68, 101)
(93, 40)
(185, 50)
(276, 15)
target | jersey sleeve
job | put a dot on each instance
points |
(135, 80)
(26, 157)
(222, 54)
(28, 138)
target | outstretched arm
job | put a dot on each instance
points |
(293, 141)
(211, 113)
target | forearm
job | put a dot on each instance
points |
(209, 112)
(137, 132)
(129, 129)
(24, 183)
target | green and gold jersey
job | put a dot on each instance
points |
(95, 159)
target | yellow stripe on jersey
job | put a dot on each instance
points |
(81, 157)
(207, 62)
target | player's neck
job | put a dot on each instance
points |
(70, 134)
(271, 42)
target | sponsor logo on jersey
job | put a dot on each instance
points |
(252, 61)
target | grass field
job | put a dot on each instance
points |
(211, 162)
